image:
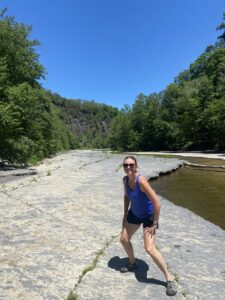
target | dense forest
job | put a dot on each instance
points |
(35, 123)
(30, 126)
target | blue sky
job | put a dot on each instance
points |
(112, 50)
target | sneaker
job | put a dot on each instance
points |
(171, 288)
(129, 268)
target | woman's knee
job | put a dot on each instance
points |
(150, 249)
(124, 238)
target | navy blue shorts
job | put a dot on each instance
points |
(147, 222)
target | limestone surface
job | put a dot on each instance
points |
(59, 232)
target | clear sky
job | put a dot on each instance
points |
(112, 50)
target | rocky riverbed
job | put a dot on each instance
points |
(59, 232)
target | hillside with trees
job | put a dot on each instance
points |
(188, 115)
(35, 123)
(89, 121)
(30, 125)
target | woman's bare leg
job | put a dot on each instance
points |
(149, 243)
(125, 237)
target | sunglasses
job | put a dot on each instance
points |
(128, 165)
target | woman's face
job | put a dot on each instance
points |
(129, 166)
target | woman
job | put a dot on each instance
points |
(141, 206)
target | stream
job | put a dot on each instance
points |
(201, 190)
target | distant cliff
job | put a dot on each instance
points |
(88, 121)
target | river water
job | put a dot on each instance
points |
(201, 190)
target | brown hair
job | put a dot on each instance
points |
(131, 157)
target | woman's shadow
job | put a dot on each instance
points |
(117, 263)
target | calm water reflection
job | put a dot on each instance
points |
(202, 191)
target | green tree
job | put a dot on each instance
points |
(30, 126)
(221, 37)
(18, 53)
(119, 133)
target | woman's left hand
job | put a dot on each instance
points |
(150, 230)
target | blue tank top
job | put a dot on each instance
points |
(141, 205)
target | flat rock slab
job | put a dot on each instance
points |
(59, 232)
